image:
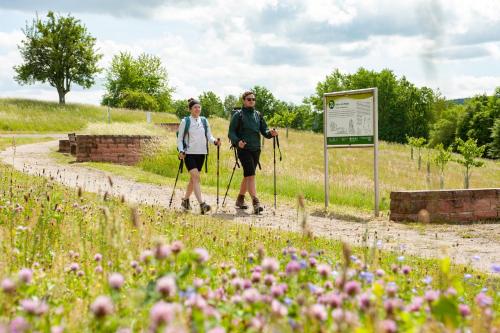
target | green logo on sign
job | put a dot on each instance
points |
(331, 105)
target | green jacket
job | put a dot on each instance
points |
(248, 128)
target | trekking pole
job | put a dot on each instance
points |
(175, 184)
(276, 141)
(236, 164)
(218, 158)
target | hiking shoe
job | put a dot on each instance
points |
(257, 208)
(204, 208)
(185, 204)
(240, 202)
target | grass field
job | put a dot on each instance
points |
(78, 262)
(21, 115)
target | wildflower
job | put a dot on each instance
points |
(352, 288)
(8, 286)
(293, 267)
(464, 310)
(162, 313)
(116, 280)
(202, 255)
(318, 312)
(102, 307)
(324, 270)
(98, 257)
(176, 247)
(251, 295)
(270, 265)
(166, 286)
(388, 326)
(483, 300)
(431, 295)
(278, 309)
(25, 275)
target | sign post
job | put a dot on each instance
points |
(351, 121)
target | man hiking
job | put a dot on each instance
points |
(244, 132)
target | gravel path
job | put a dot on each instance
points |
(474, 245)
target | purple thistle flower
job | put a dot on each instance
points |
(161, 313)
(495, 268)
(278, 309)
(162, 251)
(352, 288)
(8, 286)
(324, 270)
(251, 295)
(166, 286)
(364, 301)
(19, 325)
(202, 255)
(25, 275)
(102, 306)
(98, 257)
(116, 280)
(318, 311)
(270, 265)
(74, 267)
(293, 267)
(483, 300)
(406, 270)
(176, 247)
(388, 326)
(34, 306)
(464, 310)
(431, 295)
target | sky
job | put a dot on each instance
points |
(287, 46)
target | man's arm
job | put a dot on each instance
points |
(264, 130)
(233, 136)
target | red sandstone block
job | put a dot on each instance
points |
(484, 193)
(459, 194)
(482, 205)
(462, 217)
(486, 215)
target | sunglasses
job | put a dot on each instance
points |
(250, 99)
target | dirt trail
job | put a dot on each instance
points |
(475, 245)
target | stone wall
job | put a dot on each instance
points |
(457, 206)
(64, 146)
(119, 149)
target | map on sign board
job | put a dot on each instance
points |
(349, 119)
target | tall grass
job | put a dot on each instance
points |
(22, 115)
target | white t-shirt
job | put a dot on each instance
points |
(195, 139)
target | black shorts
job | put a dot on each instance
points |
(249, 161)
(193, 161)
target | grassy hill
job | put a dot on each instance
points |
(23, 115)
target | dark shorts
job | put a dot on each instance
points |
(249, 161)
(194, 161)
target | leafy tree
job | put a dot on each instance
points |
(230, 102)
(211, 104)
(417, 143)
(143, 74)
(59, 51)
(283, 116)
(133, 99)
(181, 108)
(264, 101)
(469, 151)
(495, 144)
(445, 128)
(441, 159)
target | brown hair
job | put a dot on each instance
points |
(192, 102)
(247, 93)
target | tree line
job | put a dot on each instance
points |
(61, 52)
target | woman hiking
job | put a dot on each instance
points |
(192, 143)
(244, 132)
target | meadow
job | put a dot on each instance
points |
(79, 262)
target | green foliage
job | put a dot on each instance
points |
(494, 151)
(445, 128)
(441, 159)
(403, 108)
(469, 151)
(417, 143)
(211, 105)
(284, 116)
(59, 51)
(230, 102)
(265, 101)
(144, 74)
(132, 99)
(181, 108)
